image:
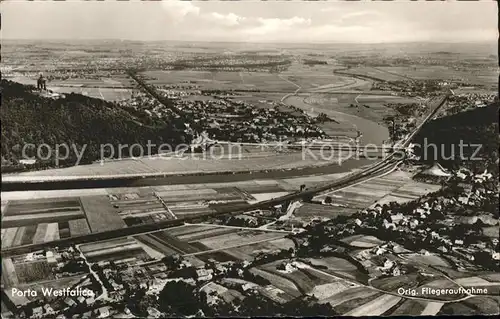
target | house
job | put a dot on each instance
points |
(204, 274)
(459, 242)
(387, 264)
(29, 257)
(51, 259)
(388, 225)
(364, 254)
(154, 313)
(442, 249)
(424, 252)
(380, 251)
(420, 211)
(37, 312)
(248, 286)
(480, 245)
(90, 300)
(156, 285)
(397, 218)
(396, 271)
(413, 223)
(103, 312)
(70, 302)
(461, 175)
(48, 309)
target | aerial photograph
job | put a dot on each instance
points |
(173, 159)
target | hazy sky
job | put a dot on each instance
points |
(251, 21)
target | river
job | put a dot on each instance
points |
(373, 133)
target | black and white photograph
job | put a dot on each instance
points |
(204, 159)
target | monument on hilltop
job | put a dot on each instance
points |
(41, 83)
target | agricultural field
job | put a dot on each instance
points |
(397, 186)
(213, 242)
(393, 283)
(183, 203)
(491, 277)
(356, 293)
(327, 290)
(476, 282)
(150, 243)
(353, 304)
(4, 205)
(377, 73)
(320, 78)
(138, 206)
(313, 82)
(167, 244)
(483, 305)
(196, 233)
(222, 80)
(245, 237)
(441, 283)
(101, 215)
(278, 281)
(268, 82)
(410, 308)
(228, 295)
(376, 307)
(24, 213)
(32, 271)
(479, 76)
(362, 241)
(304, 278)
(275, 294)
(432, 260)
(9, 276)
(159, 77)
(249, 252)
(492, 231)
(367, 106)
(42, 220)
(338, 267)
(114, 250)
(309, 211)
(411, 280)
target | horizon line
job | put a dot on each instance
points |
(495, 42)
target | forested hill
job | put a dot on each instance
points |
(28, 117)
(477, 126)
